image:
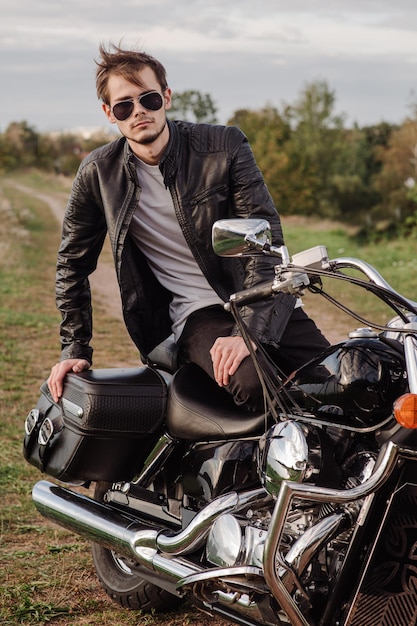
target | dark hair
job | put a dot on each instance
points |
(126, 63)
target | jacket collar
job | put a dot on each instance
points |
(129, 159)
(170, 160)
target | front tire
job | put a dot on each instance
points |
(120, 581)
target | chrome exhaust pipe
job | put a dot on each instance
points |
(112, 529)
(120, 532)
(92, 520)
(130, 537)
(194, 535)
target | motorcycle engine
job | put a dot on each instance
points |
(299, 453)
(287, 451)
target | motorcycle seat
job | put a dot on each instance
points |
(199, 409)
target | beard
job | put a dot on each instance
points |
(147, 140)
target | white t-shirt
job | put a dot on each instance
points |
(157, 233)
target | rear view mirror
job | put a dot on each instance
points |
(241, 237)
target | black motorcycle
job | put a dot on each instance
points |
(302, 514)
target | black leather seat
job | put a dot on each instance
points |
(199, 409)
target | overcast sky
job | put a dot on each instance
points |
(244, 53)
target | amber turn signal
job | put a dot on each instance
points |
(405, 410)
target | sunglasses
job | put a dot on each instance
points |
(152, 101)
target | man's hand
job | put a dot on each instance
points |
(227, 353)
(60, 370)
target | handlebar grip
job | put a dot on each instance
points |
(253, 294)
(293, 285)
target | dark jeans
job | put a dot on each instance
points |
(302, 341)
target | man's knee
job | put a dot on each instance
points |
(245, 386)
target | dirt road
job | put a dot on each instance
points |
(103, 281)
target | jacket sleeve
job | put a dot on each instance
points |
(267, 319)
(83, 234)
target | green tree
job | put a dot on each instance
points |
(376, 139)
(268, 133)
(349, 194)
(193, 106)
(19, 146)
(397, 179)
(316, 149)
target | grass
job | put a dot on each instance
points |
(395, 260)
(47, 575)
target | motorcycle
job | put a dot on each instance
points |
(302, 514)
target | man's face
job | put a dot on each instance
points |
(143, 127)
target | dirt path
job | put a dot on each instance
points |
(106, 291)
(103, 281)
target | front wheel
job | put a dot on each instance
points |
(120, 581)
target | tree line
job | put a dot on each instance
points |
(312, 162)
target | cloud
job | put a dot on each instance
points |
(244, 54)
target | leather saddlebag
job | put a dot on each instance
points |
(101, 429)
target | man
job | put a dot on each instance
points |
(157, 191)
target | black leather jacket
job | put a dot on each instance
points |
(211, 174)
